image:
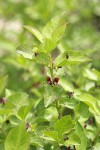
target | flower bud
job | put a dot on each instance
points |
(70, 94)
(3, 100)
(68, 148)
(59, 66)
(55, 81)
(49, 81)
(27, 126)
(36, 54)
(85, 125)
(67, 56)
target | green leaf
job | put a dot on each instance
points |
(64, 125)
(80, 132)
(90, 74)
(82, 110)
(74, 57)
(3, 82)
(6, 111)
(43, 59)
(19, 99)
(90, 101)
(35, 140)
(24, 110)
(50, 135)
(73, 139)
(17, 139)
(97, 73)
(35, 32)
(51, 94)
(97, 146)
(69, 103)
(53, 32)
(8, 92)
(26, 51)
(40, 105)
(67, 86)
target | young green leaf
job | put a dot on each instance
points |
(97, 73)
(53, 24)
(67, 86)
(64, 125)
(73, 139)
(97, 146)
(24, 110)
(80, 132)
(26, 51)
(6, 111)
(51, 94)
(90, 101)
(70, 57)
(53, 32)
(81, 110)
(51, 135)
(35, 140)
(43, 58)
(17, 139)
(35, 32)
(19, 99)
(90, 74)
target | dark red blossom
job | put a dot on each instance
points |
(3, 100)
(65, 138)
(36, 54)
(85, 125)
(49, 81)
(27, 126)
(67, 56)
(59, 66)
(55, 81)
(70, 94)
(68, 148)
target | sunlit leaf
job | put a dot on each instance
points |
(26, 51)
(19, 99)
(43, 59)
(80, 132)
(35, 32)
(17, 139)
(51, 135)
(73, 139)
(70, 57)
(90, 101)
(53, 32)
(64, 125)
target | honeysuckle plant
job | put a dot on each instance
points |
(64, 117)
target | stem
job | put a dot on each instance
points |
(58, 109)
(51, 69)
(56, 101)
